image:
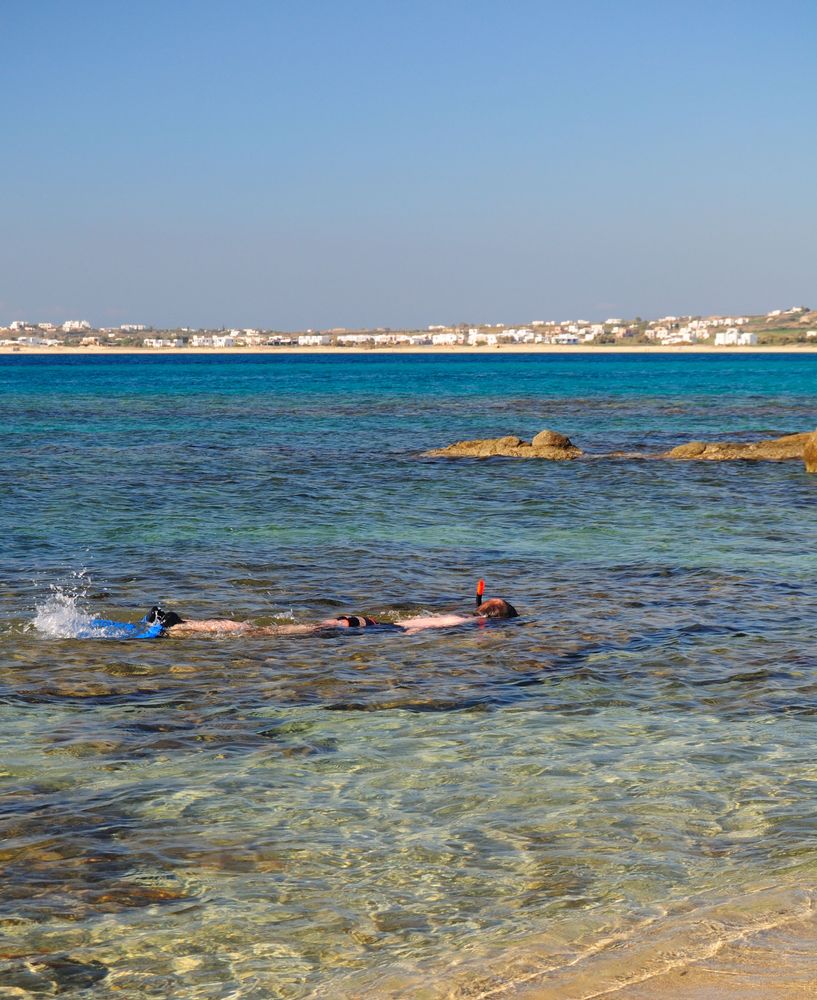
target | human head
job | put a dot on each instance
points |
(167, 619)
(495, 607)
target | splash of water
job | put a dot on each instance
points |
(61, 614)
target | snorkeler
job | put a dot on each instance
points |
(172, 623)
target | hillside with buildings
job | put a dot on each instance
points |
(780, 327)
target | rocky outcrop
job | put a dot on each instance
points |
(555, 447)
(771, 450)
(548, 445)
(810, 452)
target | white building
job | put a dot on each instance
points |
(249, 339)
(75, 325)
(726, 338)
(201, 340)
(733, 337)
(446, 339)
(477, 337)
(223, 340)
(390, 339)
(163, 342)
(314, 340)
(355, 339)
(523, 335)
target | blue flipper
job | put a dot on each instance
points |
(104, 628)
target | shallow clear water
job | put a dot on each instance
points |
(388, 815)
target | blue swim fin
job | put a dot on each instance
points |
(104, 628)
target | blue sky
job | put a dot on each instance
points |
(396, 163)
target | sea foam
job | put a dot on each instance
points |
(61, 614)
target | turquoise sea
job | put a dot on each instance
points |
(622, 780)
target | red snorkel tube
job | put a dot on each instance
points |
(480, 591)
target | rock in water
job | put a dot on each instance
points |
(771, 450)
(67, 974)
(555, 447)
(551, 439)
(810, 452)
(548, 445)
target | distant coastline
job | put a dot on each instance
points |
(792, 327)
(563, 349)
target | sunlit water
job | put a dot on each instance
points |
(625, 773)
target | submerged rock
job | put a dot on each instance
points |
(69, 974)
(123, 896)
(810, 452)
(770, 450)
(548, 445)
(59, 974)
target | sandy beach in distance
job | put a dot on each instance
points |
(500, 349)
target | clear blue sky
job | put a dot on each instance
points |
(404, 162)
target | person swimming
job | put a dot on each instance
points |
(493, 608)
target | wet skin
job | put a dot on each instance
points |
(494, 607)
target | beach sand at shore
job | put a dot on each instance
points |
(776, 964)
(762, 946)
(565, 349)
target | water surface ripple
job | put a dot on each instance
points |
(375, 815)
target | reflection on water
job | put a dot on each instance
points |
(619, 780)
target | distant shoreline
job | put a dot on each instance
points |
(563, 349)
